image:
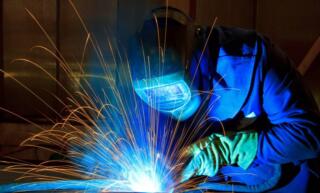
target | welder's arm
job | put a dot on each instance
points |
(294, 133)
(217, 150)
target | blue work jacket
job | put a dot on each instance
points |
(254, 86)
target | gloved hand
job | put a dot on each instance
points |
(217, 150)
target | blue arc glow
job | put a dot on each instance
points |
(144, 181)
(116, 141)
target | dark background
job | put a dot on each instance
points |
(292, 24)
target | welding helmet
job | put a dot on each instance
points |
(158, 58)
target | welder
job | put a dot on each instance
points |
(237, 77)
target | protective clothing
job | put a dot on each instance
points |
(219, 150)
(255, 88)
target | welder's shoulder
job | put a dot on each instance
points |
(237, 41)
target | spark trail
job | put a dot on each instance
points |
(110, 140)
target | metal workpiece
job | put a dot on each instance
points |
(94, 185)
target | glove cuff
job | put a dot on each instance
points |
(245, 149)
(236, 148)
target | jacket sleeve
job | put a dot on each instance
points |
(294, 132)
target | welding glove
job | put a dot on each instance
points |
(217, 150)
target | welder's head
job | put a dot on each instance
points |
(158, 55)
